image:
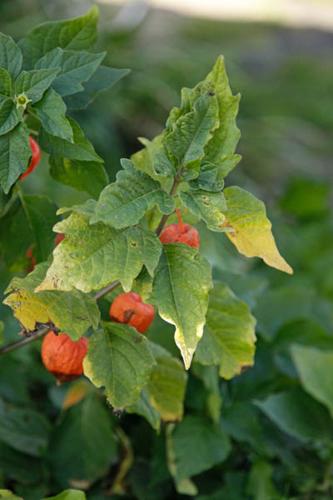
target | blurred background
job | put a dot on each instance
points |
(279, 57)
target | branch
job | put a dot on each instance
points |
(43, 329)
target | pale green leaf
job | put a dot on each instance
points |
(191, 133)
(119, 359)
(9, 495)
(153, 160)
(69, 495)
(229, 335)
(181, 286)
(15, 154)
(88, 176)
(105, 256)
(76, 68)
(210, 207)
(80, 149)
(223, 144)
(73, 34)
(124, 202)
(51, 110)
(315, 369)
(73, 313)
(9, 115)
(250, 229)
(34, 83)
(194, 446)
(10, 55)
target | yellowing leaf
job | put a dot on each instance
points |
(251, 229)
(72, 312)
(77, 391)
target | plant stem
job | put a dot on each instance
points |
(172, 193)
(42, 330)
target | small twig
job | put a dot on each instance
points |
(42, 330)
(26, 340)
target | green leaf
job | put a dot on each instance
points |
(10, 55)
(80, 149)
(106, 255)
(51, 111)
(144, 408)
(24, 430)
(69, 495)
(88, 176)
(83, 445)
(223, 144)
(194, 446)
(124, 202)
(210, 207)
(40, 217)
(315, 369)
(9, 115)
(76, 68)
(181, 286)
(15, 154)
(73, 34)
(119, 359)
(5, 81)
(72, 312)
(229, 335)
(167, 384)
(103, 79)
(297, 414)
(260, 484)
(34, 83)
(251, 229)
(191, 133)
(8, 494)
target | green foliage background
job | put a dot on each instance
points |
(267, 434)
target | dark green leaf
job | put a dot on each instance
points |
(83, 446)
(73, 34)
(103, 79)
(5, 82)
(297, 414)
(34, 83)
(15, 153)
(80, 149)
(24, 430)
(76, 68)
(51, 111)
(9, 115)
(10, 55)
(193, 446)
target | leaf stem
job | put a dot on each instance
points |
(42, 330)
